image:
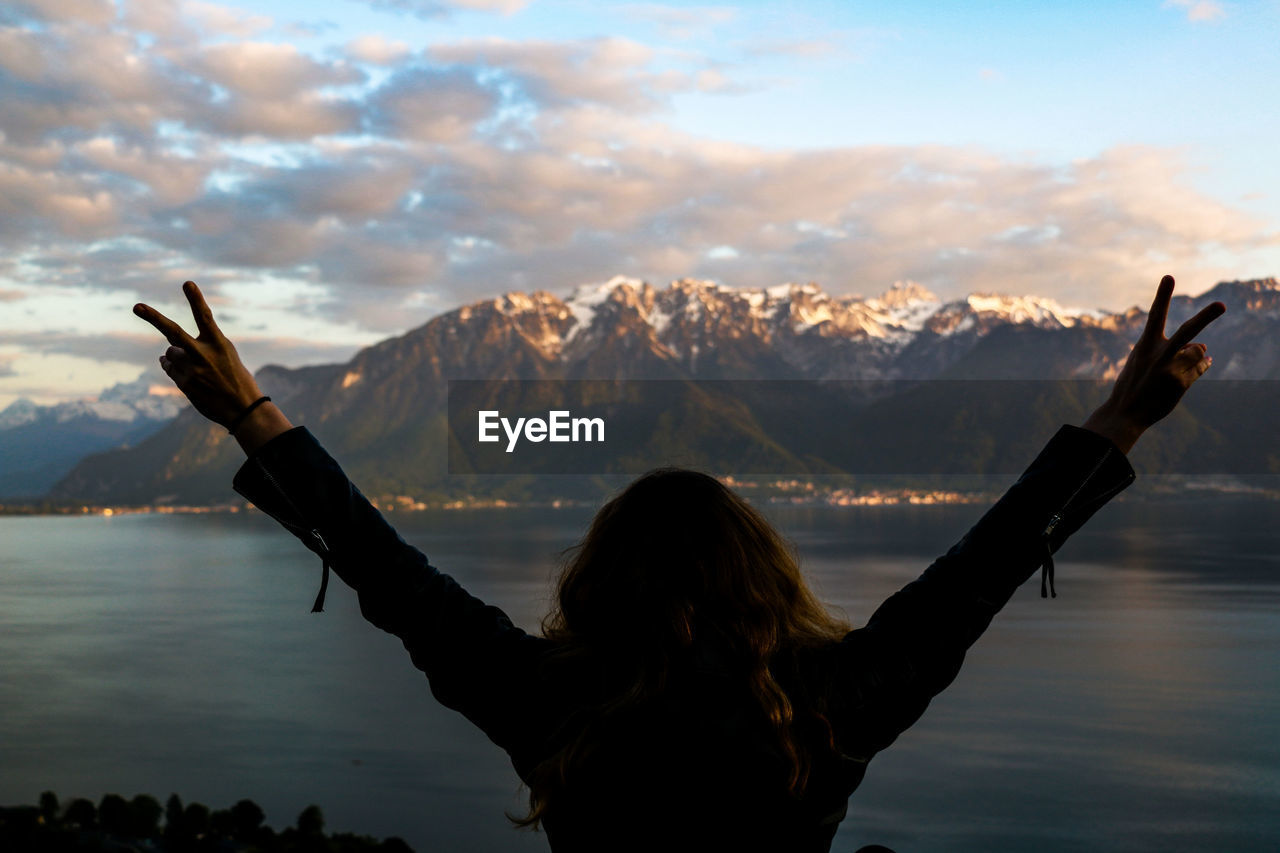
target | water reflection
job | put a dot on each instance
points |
(1140, 710)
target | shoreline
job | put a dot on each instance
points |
(794, 493)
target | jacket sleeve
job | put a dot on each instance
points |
(476, 660)
(914, 644)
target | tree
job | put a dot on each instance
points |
(82, 814)
(311, 821)
(173, 816)
(144, 816)
(49, 808)
(114, 815)
(246, 819)
(195, 820)
(221, 824)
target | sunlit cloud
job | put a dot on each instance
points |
(376, 50)
(800, 48)
(1198, 10)
(440, 8)
(210, 17)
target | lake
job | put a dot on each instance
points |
(1138, 711)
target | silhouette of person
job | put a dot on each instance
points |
(688, 691)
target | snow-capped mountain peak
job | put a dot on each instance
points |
(20, 411)
(693, 314)
(146, 398)
(903, 294)
(586, 300)
(1028, 309)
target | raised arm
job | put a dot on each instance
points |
(915, 642)
(478, 663)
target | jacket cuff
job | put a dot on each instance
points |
(253, 482)
(1096, 471)
(1075, 474)
(1069, 435)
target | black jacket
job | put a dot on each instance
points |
(700, 771)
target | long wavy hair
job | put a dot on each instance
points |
(678, 558)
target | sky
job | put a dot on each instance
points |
(336, 172)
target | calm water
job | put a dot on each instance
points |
(1138, 711)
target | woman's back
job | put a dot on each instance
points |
(696, 768)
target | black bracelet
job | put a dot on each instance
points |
(235, 424)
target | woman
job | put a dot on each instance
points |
(688, 692)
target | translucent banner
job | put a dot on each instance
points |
(854, 427)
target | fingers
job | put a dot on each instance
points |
(173, 357)
(1195, 325)
(1196, 367)
(200, 309)
(1191, 362)
(175, 367)
(172, 332)
(1187, 357)
(1159, 314)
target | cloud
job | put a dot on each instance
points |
(36, 201)
(680, 22)
(440, 8)
(714, 80)
(857, 44)
(60, 80)
(1198, 10)
(91, 12)
(795, 48)
(168, 179)
(237, 23)
(119, 346)
(503, 7)
(144, 349)
(430, 105)
(609, 71)
(929, 213)
(376, 50)
(268, 70)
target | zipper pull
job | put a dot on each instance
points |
(318, 607)
(1053, 522)
(1046, 569)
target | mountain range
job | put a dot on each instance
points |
(383, 414)
(40, 444)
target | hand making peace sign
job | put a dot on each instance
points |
(205, 368)
(1157, 373)
(1159, 370)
